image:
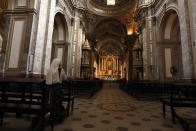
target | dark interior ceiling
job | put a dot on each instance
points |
(110, 27)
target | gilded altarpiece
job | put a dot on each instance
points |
(110, 62)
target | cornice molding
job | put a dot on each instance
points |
(21, 11)
(142, 6)
(65, 7)
(79, 4)
(147, 4)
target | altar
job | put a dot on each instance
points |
(110, 67)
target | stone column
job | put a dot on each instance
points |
(78, 50)
(49, 36)
(40, 36)
(192, 9)
(99, 66)
(145, 54)
(187, 57)
(75, 42)
(148, 52)
(116, 63)
(102, 61)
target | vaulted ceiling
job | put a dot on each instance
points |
(123, 11)
(112, 24)
(110, 32)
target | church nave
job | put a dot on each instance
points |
(113, 110)
(119, 65)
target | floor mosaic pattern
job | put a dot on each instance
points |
(109, 110)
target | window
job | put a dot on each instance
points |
(111, 2)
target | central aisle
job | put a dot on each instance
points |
(113, 110)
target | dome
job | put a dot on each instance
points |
(101, 7)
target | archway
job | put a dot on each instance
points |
(110, 44)
(110, 60)
(60, 36)
(170, 47)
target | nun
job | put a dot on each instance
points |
(54, 78)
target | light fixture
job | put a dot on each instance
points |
(111, 2)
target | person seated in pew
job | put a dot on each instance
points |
(54, 78)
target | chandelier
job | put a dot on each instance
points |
(111, 2)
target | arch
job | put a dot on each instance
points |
(169, 20)
(66, 15)
(170, 51)
(60, 39)
(175, 31)
(113, 41)
(171, 7)
(113, 20)
(110, 29)
(110, 35)
(60, 28)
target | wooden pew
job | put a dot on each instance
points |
(23, 96)
(181, 95)
(69, 97)
(145, 89)
(85, 87)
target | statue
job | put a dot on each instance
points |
(173, 71)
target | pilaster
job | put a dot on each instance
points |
(148, 46)
(187, 56)
(40, 36)
(75, 43)
(20, 21)
(192, 10)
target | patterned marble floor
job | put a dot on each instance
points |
(109, 110)
(113, 110)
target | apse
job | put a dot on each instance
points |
(110, 44)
